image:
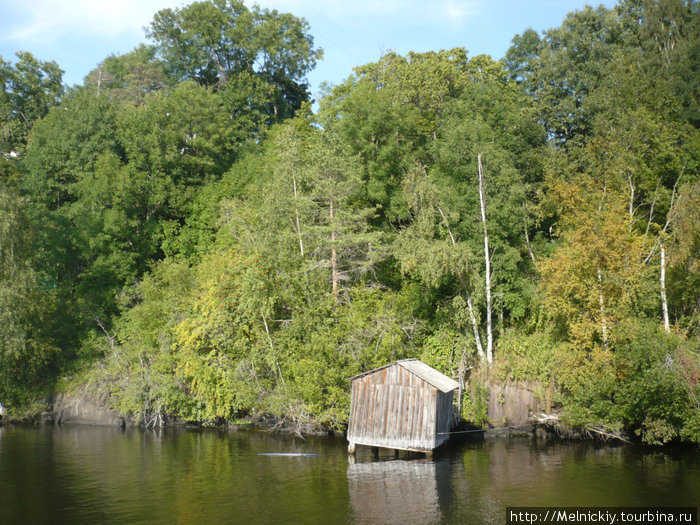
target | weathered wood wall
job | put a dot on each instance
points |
(395, 408)
(444, 417)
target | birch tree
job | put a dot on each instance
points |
(487, 264)
(429, 248)
(487, 194)
(592, 280)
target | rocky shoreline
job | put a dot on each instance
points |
(510, 409)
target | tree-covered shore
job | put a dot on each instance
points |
(183, 232)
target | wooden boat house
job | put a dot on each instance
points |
(406, 405)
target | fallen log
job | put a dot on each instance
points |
(589, 431)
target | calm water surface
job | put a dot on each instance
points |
(102, 475)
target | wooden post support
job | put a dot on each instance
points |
(351, 448)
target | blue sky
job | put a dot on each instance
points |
(78, 34)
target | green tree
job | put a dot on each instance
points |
(565, 66)
(389, 113)
(135, 362)
(28, 355)
(63, 150)
(28, 88)
(224, 350)
(647, 388)
(312, 214)
(568, 65)
(129, 77)
(470, 223)
(214, 41)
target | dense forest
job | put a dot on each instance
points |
(186, 234)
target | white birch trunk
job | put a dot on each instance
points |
(487, 257)
(631, 203)
(601, 301)
(662, 279)
(296, 213)
(470, 304)
(662, 250)
(529, 246)
(475, 326)
(334, 254)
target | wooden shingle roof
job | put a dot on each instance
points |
(420, 369)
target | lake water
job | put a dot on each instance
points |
(80, 474)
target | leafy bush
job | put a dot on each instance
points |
(528, 357)
(475, 403)
(650, 388)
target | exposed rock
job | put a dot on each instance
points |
(81, 409)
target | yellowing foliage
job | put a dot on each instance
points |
(217, 348)
(592, 279)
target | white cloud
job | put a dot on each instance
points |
(459, 12)
(78, 34)
(49, 20)
(390, 12)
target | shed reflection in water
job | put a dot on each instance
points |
(397, 491)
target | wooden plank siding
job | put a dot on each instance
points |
(392, 407)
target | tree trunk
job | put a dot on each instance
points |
(662, 279)
(631, 202)
(296, 213)
(601, 301)
(470, 304)
(99, 79)
(662, 250)
(529, 247)
(334, 254)
(487, 257)
(475, 326)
